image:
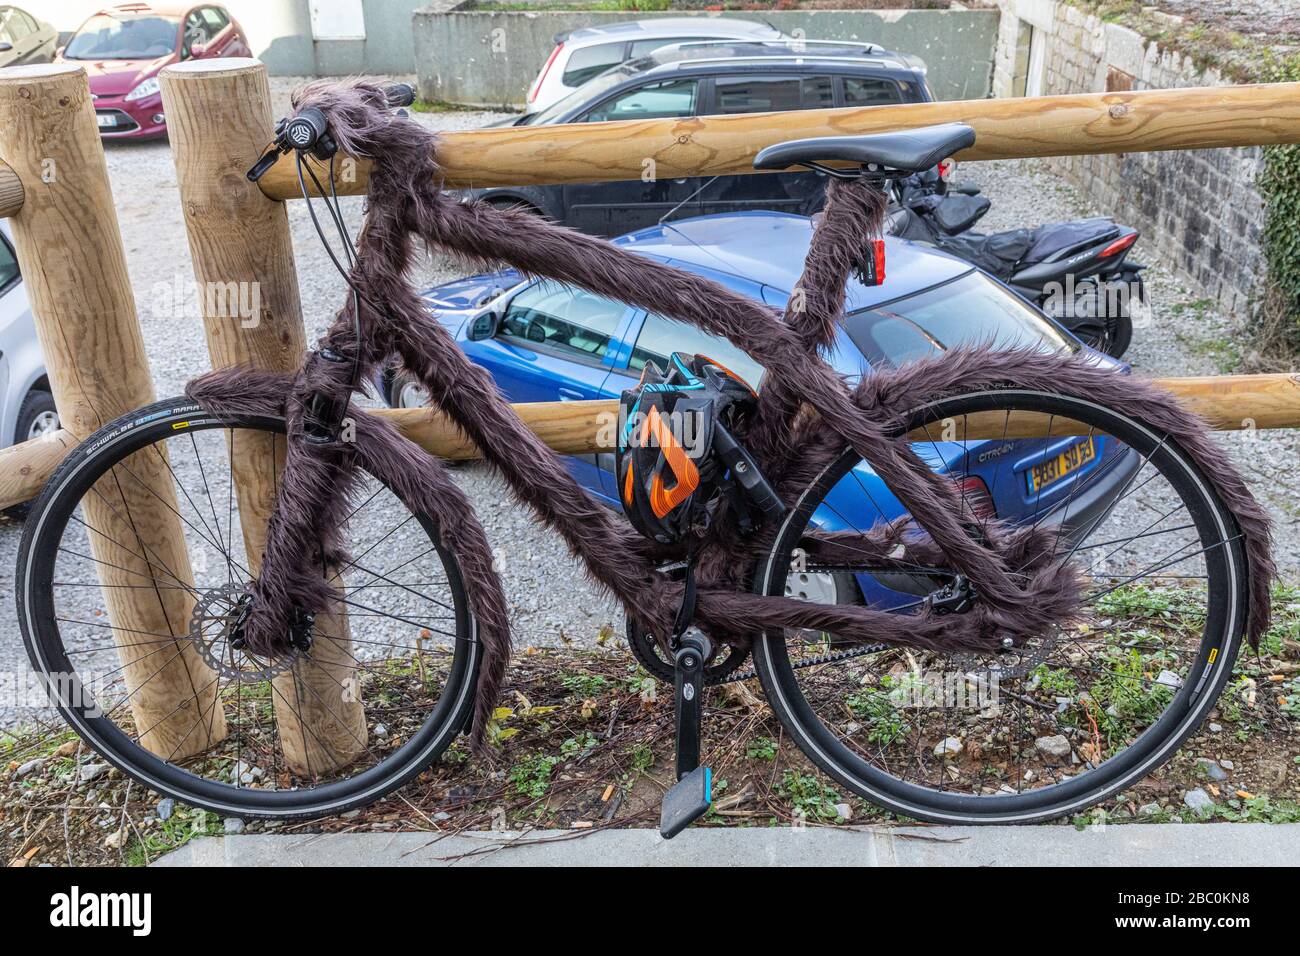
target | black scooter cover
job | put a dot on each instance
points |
(956, 213)
(1056, 237)
(997, 254)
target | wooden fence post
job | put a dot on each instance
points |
(74, 267)
(219, 119)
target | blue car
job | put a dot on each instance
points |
(545, 341)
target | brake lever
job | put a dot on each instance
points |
(269, 159)
(307, 132)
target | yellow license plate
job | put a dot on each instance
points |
(1054, 469)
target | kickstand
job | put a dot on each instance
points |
(689, 798)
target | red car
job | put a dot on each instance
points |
(123, 48)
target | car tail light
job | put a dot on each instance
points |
(975, 497)
(1119, 245)
(541, 77)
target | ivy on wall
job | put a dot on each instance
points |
(1280, 187)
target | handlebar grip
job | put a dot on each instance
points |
(399, 94)
(306, 129)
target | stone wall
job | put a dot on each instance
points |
(1199, 210)
(490, 58)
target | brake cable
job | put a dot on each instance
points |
(349, 252)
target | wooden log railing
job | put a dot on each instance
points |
(1079, 124)
(74, 268)
(1227, 403)
(217, 120)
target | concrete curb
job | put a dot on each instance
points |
(1213, 844)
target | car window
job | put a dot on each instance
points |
(661, 337)
(970, 310)
(642, 47)
(571, 321)
(870, 91)
(215, 19)
(13, 25)
(121, 36)
(196, 30)
(757, 93)
(656, 101)
(818, 92)
(8, 265)
(588, 61)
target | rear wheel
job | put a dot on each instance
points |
(121, 630)
(1074, 714)
(1101, 316)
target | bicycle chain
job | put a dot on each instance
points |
(834, 657)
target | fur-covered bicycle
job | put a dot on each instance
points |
(947, 663)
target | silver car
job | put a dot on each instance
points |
(582, 54)
(25, 39)
(26, 405)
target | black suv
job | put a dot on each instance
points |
(707, 79)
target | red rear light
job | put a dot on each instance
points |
(946, 168)
(975, 497)
(541, 77)
(1119, 245)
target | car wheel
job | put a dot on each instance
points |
(408, 393)
(519, 204)
(37, 417)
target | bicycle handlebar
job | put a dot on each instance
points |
(308, 131)
(399, 94)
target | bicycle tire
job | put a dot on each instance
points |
(1212, 660)
(48, 652)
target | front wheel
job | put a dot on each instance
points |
(133, 568)
(1077, 713)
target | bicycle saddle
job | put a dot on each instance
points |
(905, 151)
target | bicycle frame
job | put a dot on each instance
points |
(1021, 590)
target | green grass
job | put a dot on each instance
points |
(173, 833)
(1261, 809)
(761, 748)
(584, 685)
(532, 775)
(1127, 699)
(1058, 683)
(809, 797)
(878, 711)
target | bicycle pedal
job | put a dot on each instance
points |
(687, 801)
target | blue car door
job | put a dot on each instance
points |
(653, 338)
(554, 344)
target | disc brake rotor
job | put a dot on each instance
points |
(215, 614)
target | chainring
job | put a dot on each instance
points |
(210, 625)
(724, 661)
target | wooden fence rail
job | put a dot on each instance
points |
(1228, 403)
(1079, 124)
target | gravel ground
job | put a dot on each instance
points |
(552, 601)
